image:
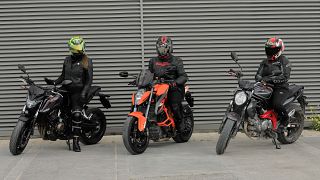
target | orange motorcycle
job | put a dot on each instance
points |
(151, 116)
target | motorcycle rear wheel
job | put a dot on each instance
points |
(291, 135)
(93, 136)
(182, 137)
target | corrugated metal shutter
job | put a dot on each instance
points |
(35, 33)
(204, 32)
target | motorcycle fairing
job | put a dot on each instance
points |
(141, 120)
(144, 97)
(161, 89)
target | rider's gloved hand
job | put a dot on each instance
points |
(173, 84)
(49, 81)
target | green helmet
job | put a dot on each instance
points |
(76, 45)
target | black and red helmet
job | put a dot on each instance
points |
(274, 48)
(164, 47)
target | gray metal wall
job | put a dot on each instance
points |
(121, 33)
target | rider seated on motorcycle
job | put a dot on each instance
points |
(170, 67)
(77, 67)
(275, 70)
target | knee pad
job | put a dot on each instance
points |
(76, 116)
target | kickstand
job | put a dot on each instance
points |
(68, 143)
(275, 143)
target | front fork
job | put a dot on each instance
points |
(143, 120)
(28, 118)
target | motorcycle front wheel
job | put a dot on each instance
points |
(19, 138)
(136, 142)
(225, 136)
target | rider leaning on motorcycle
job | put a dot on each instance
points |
(170, 67)
(77, 67)
(275, 70)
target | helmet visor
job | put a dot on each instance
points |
(163, 49)
(271, 51)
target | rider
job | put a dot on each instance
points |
(170, 67)
(275, 70)
(77, 67)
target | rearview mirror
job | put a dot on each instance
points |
(22, 68)
(66, 82)
(234, 56)
(124, 74)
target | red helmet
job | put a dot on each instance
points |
(164, 47)
(274, 47)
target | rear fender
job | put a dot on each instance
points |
(141, 120)
(104, 100)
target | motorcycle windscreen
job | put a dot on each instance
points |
(144, 78)
(35, 92)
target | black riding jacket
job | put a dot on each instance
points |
(275, 72)
(74, 70)
(169, 69)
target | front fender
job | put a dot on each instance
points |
(23, 118)
(233, 117)
(141, 120)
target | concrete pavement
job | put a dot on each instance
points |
(245, 159)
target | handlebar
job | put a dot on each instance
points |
(156, 81)
(234, 73)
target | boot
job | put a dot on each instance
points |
(75, 144)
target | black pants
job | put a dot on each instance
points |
(76, 108)
(175, 98)
(279, 96)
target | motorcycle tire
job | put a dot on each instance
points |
(19, 138)
(292, 134)
(225, 136)
(89, 138)
(182, 137)
(136, 142)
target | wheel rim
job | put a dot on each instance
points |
(94, 132)
(138, 139)
(24, 139)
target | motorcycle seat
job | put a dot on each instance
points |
(293, 89)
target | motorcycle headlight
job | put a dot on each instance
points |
(139, 95)
(240, 98)
(30, 103)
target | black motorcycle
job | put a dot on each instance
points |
(250, 110)
(47, 108)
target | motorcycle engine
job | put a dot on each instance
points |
(257, 127)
